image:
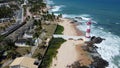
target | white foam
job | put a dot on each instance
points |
(69, 16)
(100, 28)
(119, 63)
(94, 22)
(117, 23)
(57, 8)
(108, 48)
(83, 16)
(50, 2)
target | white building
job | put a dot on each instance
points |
(21, 43)
(28, 35)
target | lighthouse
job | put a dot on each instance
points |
(88, 30)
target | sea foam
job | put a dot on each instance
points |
(57, 8)
(109, 48)
(49, 2)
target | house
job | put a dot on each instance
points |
(28, 35)
(2, 20)
(24, 42)
(24, 62)
(1, 4)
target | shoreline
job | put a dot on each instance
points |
(78, 32)
(70, 51)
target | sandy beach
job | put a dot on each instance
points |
(71, 50)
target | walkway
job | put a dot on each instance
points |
(68, 37)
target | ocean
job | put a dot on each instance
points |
(105, 15)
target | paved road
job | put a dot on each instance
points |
(19, 21)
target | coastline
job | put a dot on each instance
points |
(71, 50)
(100, 27)
(85, 58)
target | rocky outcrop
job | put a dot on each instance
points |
(99, 63)
(97, 40)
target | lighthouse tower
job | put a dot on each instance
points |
(88, 31)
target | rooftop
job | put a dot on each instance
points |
(24, 61)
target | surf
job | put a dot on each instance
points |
(109, 48)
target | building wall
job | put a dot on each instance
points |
(21, 45)
(17, 66)
(22, 67)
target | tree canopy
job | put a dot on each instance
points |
(6, 12)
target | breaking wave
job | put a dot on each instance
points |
(110, 48)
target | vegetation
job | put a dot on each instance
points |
(38, 28)
(35, 1)
(49, 29)
(59, 29)
(1, 38)
(40, 51)
(3, 1)
(37, 7)
(24, 7)
(6, 12)
(50, 17)
(23, 50)
(10, 51)
(51, 52)
(14, 6)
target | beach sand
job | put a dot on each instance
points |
(71, 50)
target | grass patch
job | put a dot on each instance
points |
(1, 38)
(50, 29)
(23, 50)
(51, 52)
(59, 29)
(39, 50)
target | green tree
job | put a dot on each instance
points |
(10, 44)
(6, 12)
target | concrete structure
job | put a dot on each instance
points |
(28, 35)
(2, 20)
(24, 42)
(37, 41)
(25, 2)
(5, 4)
(88, 30)
(69, 37)
(21, 43)
(23, 62)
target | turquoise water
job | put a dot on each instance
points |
(107, 13)
(106, 17)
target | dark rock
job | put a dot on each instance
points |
(79, 18)
(96, 40)
(99, 63)
(93, 37)
(77, 65)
